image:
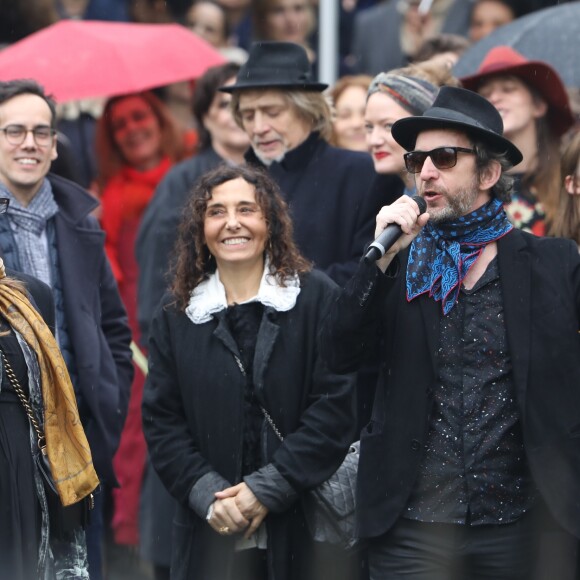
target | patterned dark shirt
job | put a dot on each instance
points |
(474, 469)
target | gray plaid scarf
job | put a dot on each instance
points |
(29, 227)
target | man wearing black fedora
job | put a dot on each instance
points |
(470, 465)
(330, 191)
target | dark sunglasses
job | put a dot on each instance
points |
(442, 158)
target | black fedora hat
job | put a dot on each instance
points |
(456, 108)
(273, 65)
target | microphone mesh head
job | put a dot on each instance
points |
(420, 202)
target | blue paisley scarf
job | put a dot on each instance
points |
(442, 254)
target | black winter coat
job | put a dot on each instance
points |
(334, 197)
(192, 419)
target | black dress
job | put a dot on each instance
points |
(20, 514)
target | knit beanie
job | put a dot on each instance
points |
(413, 94)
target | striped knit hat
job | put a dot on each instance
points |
(413, 94)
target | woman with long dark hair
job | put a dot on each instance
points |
(234, 369)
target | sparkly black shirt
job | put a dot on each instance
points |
(474, 469)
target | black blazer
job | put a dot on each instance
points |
(193, 408)
(540, 281)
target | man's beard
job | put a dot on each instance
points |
(458, 205)
(267, 161)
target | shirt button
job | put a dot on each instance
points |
(415, 445)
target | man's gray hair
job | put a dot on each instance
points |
(312, 106)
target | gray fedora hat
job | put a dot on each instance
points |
(272, 65)
(457, 108)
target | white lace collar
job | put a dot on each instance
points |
(209, 297)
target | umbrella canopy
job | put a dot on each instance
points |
(80, 59)
(551, 35)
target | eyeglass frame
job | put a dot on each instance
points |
(455, 150)
(25, 132)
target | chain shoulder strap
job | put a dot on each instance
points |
(264, 412)
(25, 403)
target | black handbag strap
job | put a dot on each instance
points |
(264, 412)
(25, 403)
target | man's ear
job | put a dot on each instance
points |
(571, 185)
(490, 175)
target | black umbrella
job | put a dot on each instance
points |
(551, 35)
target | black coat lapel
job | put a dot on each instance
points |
(515, 278)
(267, 336)
(431, 314)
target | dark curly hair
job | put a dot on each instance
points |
(193, 260)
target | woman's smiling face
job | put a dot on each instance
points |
(380, 114)
(136, 132)
(235, 228)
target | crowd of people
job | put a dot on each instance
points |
(199, 340)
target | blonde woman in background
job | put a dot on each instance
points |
(349, 96)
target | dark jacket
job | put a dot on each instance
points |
(540, 282)
(192, 418)
(96, 321)
(333, 202)
(158, 231)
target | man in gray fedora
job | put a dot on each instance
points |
(330, 190)
(470, 465)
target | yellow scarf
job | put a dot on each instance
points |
(67, 447)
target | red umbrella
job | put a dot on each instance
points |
(79, 59)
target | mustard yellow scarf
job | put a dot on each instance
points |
(67, 447)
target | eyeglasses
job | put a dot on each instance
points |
(16, 134)
(4, 202)
(442, 158)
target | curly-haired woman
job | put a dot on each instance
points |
(238, 339)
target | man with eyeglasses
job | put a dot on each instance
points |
(48, 232)
(470, 466)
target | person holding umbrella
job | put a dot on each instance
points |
(535, 110)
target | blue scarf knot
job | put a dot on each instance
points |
(442, 254)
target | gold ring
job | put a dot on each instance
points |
(224, 530)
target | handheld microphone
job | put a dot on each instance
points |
(390, 235)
